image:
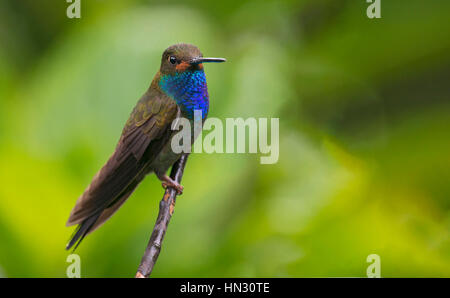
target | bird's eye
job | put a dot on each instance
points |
(172, 59)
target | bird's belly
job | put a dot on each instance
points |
(165, 159)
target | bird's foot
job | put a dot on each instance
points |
(168, 182)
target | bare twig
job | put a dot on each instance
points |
(166, 208)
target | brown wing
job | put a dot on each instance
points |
(145, 133)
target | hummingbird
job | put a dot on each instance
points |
(177, 90)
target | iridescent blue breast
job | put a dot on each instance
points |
(189, 90)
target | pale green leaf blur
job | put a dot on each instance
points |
(364, 109)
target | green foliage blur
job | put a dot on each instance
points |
(364, 137)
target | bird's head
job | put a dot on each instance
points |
(183, 57)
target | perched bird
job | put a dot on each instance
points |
(178, 88)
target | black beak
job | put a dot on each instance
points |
(199, 60)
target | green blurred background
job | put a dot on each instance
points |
(364, 137)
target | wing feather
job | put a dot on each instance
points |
(143, 137)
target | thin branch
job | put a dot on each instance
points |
(166, 208)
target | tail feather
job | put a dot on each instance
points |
(93, 222)
(81, 231)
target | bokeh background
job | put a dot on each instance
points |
(364, 137)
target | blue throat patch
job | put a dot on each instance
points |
(189, 90)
